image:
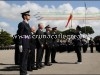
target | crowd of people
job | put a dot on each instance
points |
(26, 45)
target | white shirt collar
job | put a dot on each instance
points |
(26, 21)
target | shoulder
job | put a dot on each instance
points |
(37, 30)
(21, 24)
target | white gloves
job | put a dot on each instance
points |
(20, 48)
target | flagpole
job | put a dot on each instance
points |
(85, 20)
(71, 19)
(70, 27)
(85, 16)
(71, 24)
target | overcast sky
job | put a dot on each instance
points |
(10, 13)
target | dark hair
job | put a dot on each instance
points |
(39, 24)
(23, 15)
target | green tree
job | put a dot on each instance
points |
(5, 38)
(68, 32)
(87, 30)
(58, 32)
(96, 37)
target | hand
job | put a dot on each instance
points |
(42, 45)
(20, 48)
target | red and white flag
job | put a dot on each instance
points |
(70, 17)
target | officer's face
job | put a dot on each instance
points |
(33, 29)
(28, 17)
(48, 29)
(41, 26)
(55, 30)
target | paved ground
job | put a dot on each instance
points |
(66, 65)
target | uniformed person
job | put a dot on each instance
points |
(91, 44)
(97, 44)
(54, 44)
(24, 32)
(47, 45)
(31, 58)
(39, 46)
(84, 45)
(77, 45)
(69, 44)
